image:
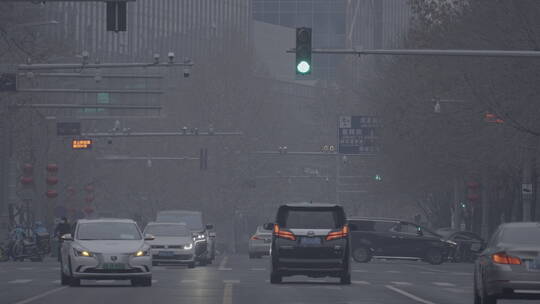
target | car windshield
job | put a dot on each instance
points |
(520, 236)
(307, 218)
(167, 230)
(192, 220)
(108, 231)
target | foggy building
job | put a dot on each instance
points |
(186, 27)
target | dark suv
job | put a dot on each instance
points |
(391, 238)
(310, 239)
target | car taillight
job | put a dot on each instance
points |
(503, 258)
(333, 235)
(256, 238)
(284, 234)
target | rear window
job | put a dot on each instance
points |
(373, 226)
(520, 235)
(311, 218)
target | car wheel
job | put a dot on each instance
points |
(362, 254)
(64, 279)
(477, 298)
(487, 299)
(434, 256)
(275, 278)
(345, 279)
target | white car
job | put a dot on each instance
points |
(173, 243)
(106, 249)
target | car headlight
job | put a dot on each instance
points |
(141, 253)
(199, 237)
(188, 246)
(83, 253)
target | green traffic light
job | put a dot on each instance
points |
(378, 177)
(303, 67)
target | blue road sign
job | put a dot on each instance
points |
(358, 134)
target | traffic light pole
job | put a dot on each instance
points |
(426, 52)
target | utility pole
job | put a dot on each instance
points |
(527, 178)
(484, 230)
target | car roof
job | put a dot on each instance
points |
(103, 220)
(310, 205)
(380, 219)
(520, 225)
(166, 223)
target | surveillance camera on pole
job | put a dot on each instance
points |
(171, 57)
(187, 68)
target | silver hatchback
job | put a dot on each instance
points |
(106, 249)
(509, 268)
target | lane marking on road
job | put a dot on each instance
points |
(188, 281)
(228, 293)
(25, 268)
(258, 269)
(408, 295)
(223, 263)
(42, 295)
(428, 272)
(427, 268)
(393, 271)
(402, 283)
(462, 273)
(444, 284)
(359, 270)
(56, 282)
(361, 282)
(20, 281)
(457, 290)
(231, 281)
(333, 287)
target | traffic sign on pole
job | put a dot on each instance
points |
(358, 134)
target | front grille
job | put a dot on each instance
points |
(97, 270)
(175, 246)
(173, 257)
(157, 246)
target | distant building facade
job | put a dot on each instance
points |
(326, 18)
(187, 27)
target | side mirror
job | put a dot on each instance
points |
(149, 237)
(66, 237)
(268, 226)
(209, 226)
(212, 234)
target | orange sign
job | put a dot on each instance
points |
(81, 144)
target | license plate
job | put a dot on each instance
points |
(310, 241)
(114, 266)
(533, 265)
(166, 253)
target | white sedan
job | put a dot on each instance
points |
(106, 249)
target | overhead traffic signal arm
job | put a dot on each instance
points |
(303, 51)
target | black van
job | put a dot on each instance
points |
(310, 239)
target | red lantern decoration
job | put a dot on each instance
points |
(52, 180)
(473, 185)
(27, 180)
(52, 168)
(51, 193)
